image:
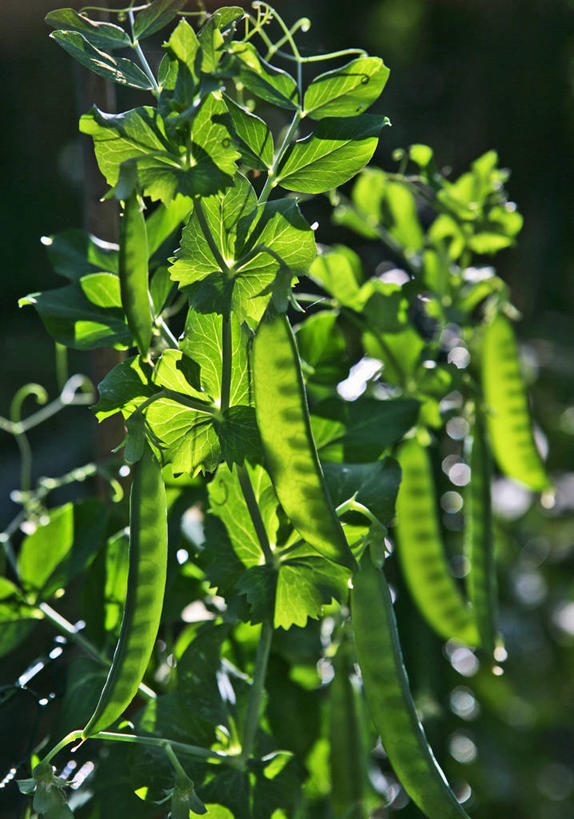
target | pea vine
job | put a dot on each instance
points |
(266, 458)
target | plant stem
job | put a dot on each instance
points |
(142, 58)
(269, 182)
(255, 513)
(226, 359)
(257, 690)
(177, 766)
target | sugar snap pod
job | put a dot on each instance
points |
(478, 537)
(144, 599)
(133, 270)
(290, 451)
(421, 551)
(509, 424)
(389, 698)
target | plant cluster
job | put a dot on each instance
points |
(266, 458)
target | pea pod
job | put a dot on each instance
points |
(144, 599)
(478, 537)
(347, 742)
(509, 423)
(291, 454)
(389, 699)
(133, 270)
(421, 550)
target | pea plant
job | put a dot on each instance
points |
(229, 641)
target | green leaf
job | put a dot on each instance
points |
(197, 671)
(117, 565)
(177, 372)
(117, 69)
(165, 219)
(370, 425)
(59, 550)
(400, 352)
(239, 436)
(229, 788)
(375, 485)
(163, 162)
(323, 349)
(348, 90)
(253, 136)
(179, 71)
(73, 253)
(338, 269)
(263, 79)
(304, 585)
(228, 216)
(331, 155)
(157, 15)
(100, 35)
(254, 241)
(84, 315)
(186, 437)
(202, 342)
(215, 34)
(124, 388)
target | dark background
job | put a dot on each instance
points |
(466, 76)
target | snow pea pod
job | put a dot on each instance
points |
(421, 552)
(291, 454)
(144, 599)
(389, 698)
(133, 270)
(509, 423)
(478, 537)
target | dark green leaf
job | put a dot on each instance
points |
(239, 436)
(375, 485)
(165, 220)
(16, 618)
(264, 80)
(348, 90)
(331, 155)
(322, 347)
(51, 557)
(254, 139)
(99, 34)
(117, 69)
(370, 425)
(74, 253)
(86, 314)
(157, 15)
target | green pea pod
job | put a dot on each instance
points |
(389, 698)
(509, 423)
(144, 599)
(478, 537)
(291, 454)
(133, 269)
(421, 550)
(347, 742)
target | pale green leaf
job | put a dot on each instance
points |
(348, 90)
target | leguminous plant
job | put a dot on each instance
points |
(229, 637)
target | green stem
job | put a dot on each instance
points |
(226, 359)
(181, 398)
(176, 764)
(257, 690)
(25, 461)
(270, 181)
(255, 513)
(63, 743)
(65, 627)
(142, 58)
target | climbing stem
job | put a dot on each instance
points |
(257, 690)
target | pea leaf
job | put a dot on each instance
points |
(164, 220)
(99, 34)
(84, 315)
(155, 17)
(239, 436)
(51, 557)
(370, 426)
(263, 79)
(163, 161)
(253, 137)
(331, 155)
(214, 35)
(375, 485)
(73, 253)
(202, 342)
(348, 90)
(117, 69)
(322, 347)
(304, 586)
(124, 388)
(338, 269)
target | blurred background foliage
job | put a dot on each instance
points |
(466, 76)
